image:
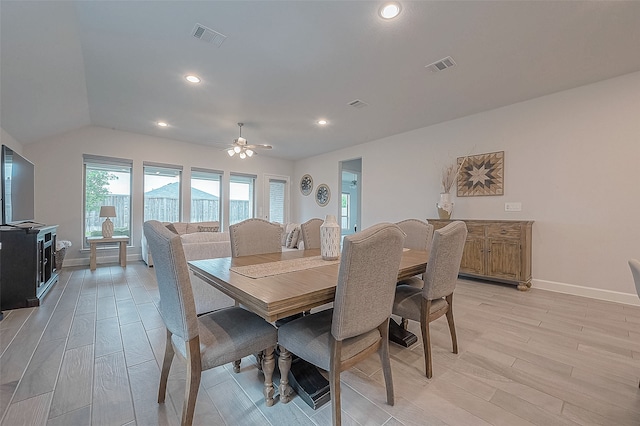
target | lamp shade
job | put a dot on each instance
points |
(107, 211)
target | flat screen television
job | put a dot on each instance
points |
(18, 187)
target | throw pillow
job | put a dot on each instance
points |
(208, 228)
(172, 228)
(292, 238)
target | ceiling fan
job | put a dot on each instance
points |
(243, 149)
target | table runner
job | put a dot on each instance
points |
(262, 270)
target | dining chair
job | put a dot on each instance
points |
(255, 236)
(436, 297)
(358, 325)
(419, 237)
(635, 271)
(311, 233)
(206, 341)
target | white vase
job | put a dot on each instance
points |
(330, 238)
(445, 206)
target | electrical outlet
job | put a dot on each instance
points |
(512, 207)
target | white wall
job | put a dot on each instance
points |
(8, 140)
(59, 179)
(571, 159)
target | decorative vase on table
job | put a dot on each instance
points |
(330, 238)
(445, 206)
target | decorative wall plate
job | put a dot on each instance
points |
(323, 195)
(306, 184)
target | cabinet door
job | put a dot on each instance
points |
(503, 258)
(473, 256)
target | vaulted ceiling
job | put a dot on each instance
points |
(286, 64)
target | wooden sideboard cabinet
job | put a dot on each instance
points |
(496, 250)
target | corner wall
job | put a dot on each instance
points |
(571, 159)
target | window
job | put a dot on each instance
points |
(107, 182)
(345, 211)
(241, 197)
(162, 192)
(277, 202)
(205, 195)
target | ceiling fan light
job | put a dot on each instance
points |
(249, 152)
(236, 149)
(243, 155)
(231, 152)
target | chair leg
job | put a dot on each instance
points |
(268, 366)
(334, 379)
(166, 366)
(284, 364)
(194, 369)
(426, 337)
(452, 326)
(236, 365)
(385, 361)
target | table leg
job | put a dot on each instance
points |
(399, 335)
(123, 253)
(92, 256)
(284, 364)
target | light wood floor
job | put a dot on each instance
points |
(90, 354)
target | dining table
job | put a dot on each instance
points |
(279, 285)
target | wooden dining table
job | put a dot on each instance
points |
(278, 285)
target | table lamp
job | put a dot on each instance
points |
(107, 225)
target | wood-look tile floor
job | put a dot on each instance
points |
(90, 355)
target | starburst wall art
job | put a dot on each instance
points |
(481, 174)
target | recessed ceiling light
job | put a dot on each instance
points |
(192, 78)
(162, 124)
(322, 122)
(390, 10)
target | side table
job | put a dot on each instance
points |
(93, 241)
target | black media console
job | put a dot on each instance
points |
(27, 264)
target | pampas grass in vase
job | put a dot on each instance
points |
(449, 177)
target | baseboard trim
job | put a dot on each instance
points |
(593, 293)
(100, 260)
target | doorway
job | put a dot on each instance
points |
(350, 196)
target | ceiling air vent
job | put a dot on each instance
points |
(358, 104)
(208, 35)
(442, 64)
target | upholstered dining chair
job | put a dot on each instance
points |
(255, 236)
(311, 233)
(436, 297)
(358, 325)
(419, 236)
(205, 341)
(635, 271)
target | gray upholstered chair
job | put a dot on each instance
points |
(311, 233)
(635, 271)
(358, 325)
(436, 297)
(206, 341)
(419, 235)
(255, 236)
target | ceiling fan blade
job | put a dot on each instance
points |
(263, 146)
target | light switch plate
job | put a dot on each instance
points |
(512, 207)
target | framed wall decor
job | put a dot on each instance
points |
(323, 195)
(306, 184)
(481, 174)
